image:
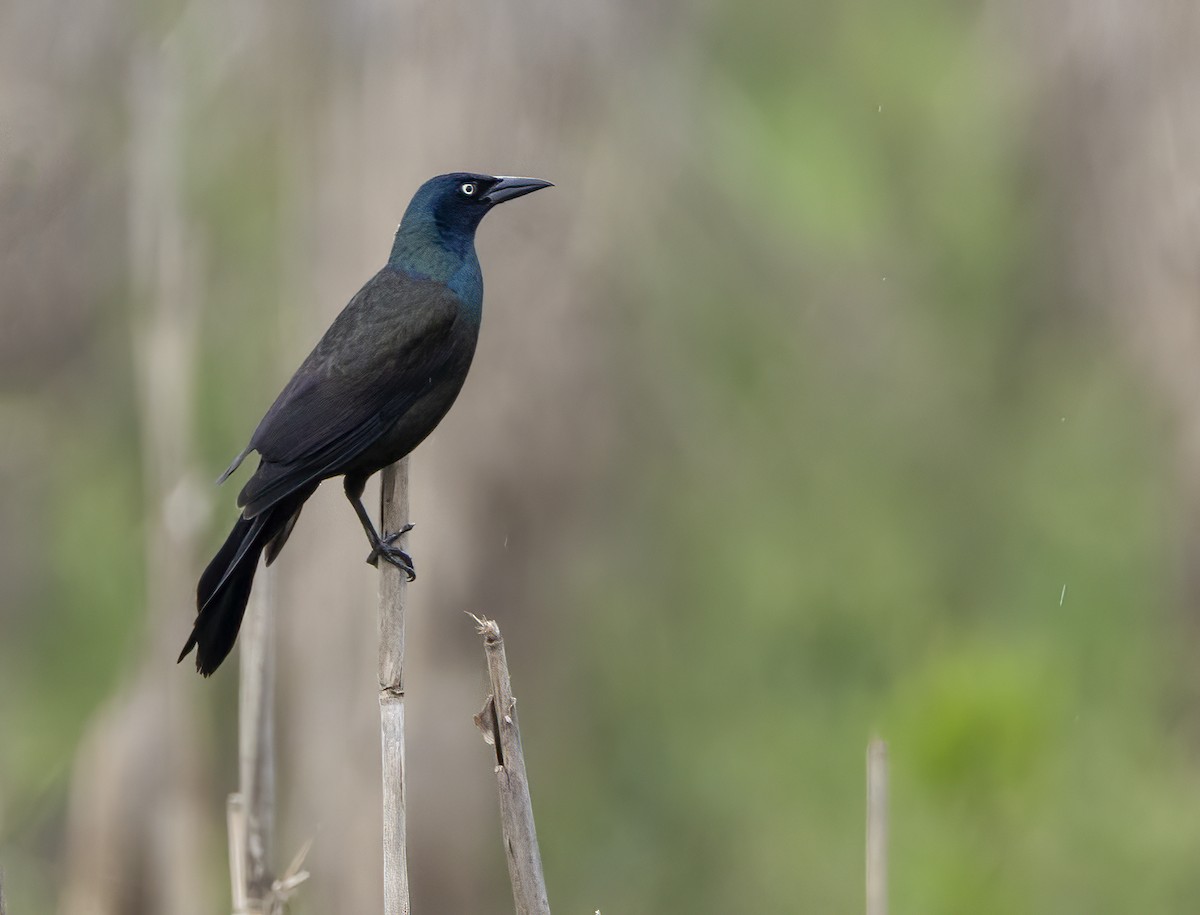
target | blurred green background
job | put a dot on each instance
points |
(844, 385)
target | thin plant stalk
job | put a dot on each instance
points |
(251, 812)
(877, 827)
(392, 586)
(498, 722)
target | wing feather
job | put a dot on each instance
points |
(388, 346)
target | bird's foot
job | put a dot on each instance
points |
(384, 548)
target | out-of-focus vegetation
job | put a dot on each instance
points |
(887, 478)
(848, 445)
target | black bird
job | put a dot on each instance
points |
(378, 382)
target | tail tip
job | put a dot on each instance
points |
(205, 670)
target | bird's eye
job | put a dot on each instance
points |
(469, 189)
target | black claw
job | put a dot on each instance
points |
(383, 549)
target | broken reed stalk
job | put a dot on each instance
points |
(393, 497)
(498, 722)
(877, 827)
(250, 813)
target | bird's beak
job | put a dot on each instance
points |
(508, 188)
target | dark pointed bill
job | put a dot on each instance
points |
(508, 188)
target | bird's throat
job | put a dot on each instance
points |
(423, 252)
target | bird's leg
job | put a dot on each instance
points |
(381, 547)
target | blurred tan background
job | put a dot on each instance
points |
(845, 383)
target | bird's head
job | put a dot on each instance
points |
(455, 203)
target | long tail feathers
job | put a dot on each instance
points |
(224, 588)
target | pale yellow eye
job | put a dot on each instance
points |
(469, 189)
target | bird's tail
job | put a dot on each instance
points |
(224, 588)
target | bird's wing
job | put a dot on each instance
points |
(386, 349)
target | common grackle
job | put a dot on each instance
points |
(375, 386)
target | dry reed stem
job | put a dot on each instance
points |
(250, 813)
(877, 827)
(498, 722)
(393, 497)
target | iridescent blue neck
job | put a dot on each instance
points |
(425, 249)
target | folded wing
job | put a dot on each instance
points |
(390, 346)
